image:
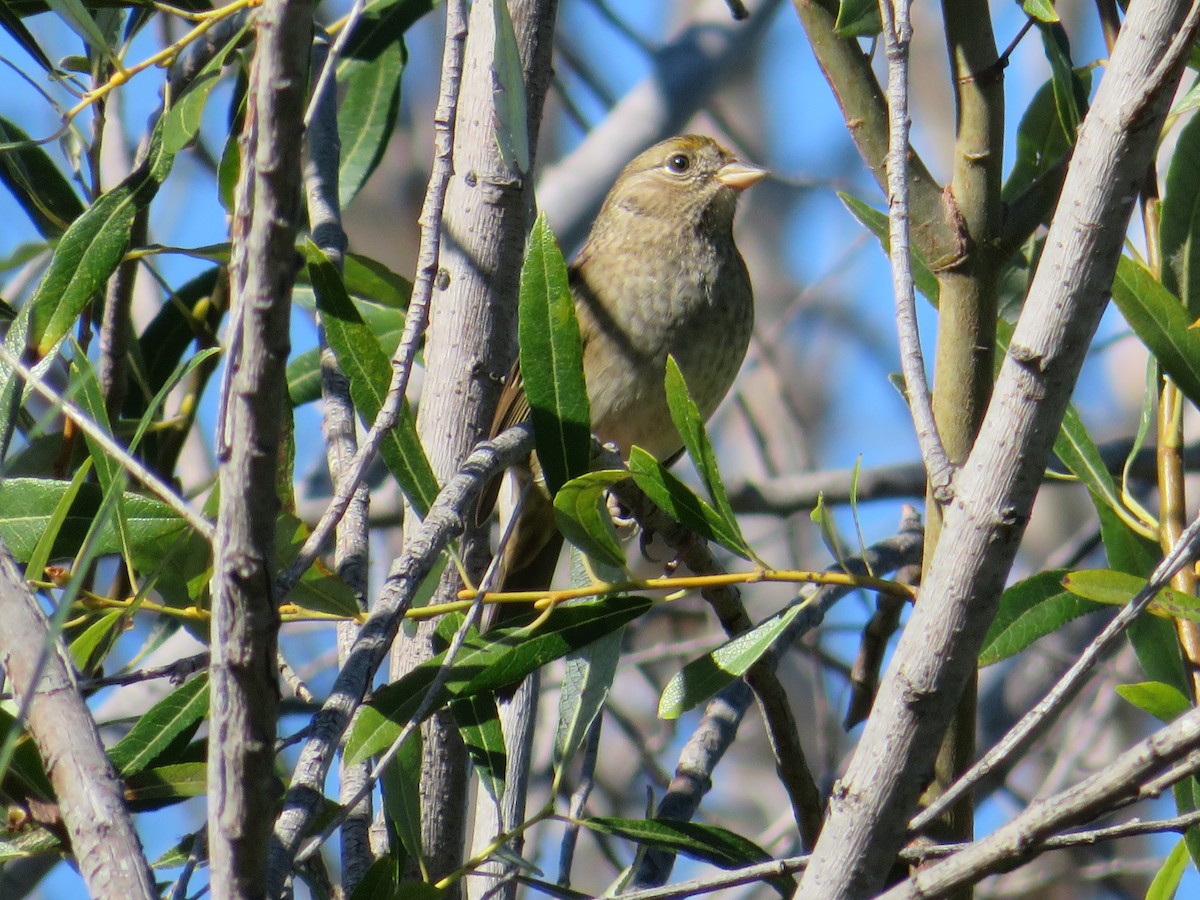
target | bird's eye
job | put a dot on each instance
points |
(679, 163)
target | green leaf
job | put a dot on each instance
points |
(1078, 452)
(1167, 880)
(178, 715)
(381, 23)
(89, 648)
(370, 373)
(11, 384)
(1161, 322)
(680, 502)
(690, 425)
(478, 722)
(319, 589)
(182, 121)
(379, 881)
(1042, 10)
(508, 93)
(25, 505)
(80, 21)
(858, 18)
(36, 183)
(165, 785)
(583, 518)
(1041, 139)
(505, 657)
(1118, 588)
(1164, 702)
(1179, 233)
(1154, 640)
(876, 222)
(367, 115)
(707, 675)
(85, 387)
(552, 361)
(16, 28)
(1029, 610)
(381, 298)
(709, 843)
(587, 679)
(401, 786)
(92, 248)
(1070, 99)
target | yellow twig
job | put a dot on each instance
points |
(163, 57)
(696, 582)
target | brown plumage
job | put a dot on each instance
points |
(659, 274)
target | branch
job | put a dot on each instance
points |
(897, 33)
(444, 522)
(994, 490)
(1007, 750)
(848, 70)
(244, 687)
(417, 317)
(86, 787)
(351, 557)
(1125, 780)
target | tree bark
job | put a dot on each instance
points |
(245, 622)
(995, 489)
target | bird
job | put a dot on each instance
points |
(659, 274)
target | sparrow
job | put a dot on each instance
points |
(658, 275)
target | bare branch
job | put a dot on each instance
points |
(994, 490)
(86, 787)
(417, 317)
(897, 33)
(245, 622)
(1002, 756)
(1120, 782)
(444, 522)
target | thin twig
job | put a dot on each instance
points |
(1009, 748)
(897, 34)
(444, 521)
(417, 318)
(152, 482)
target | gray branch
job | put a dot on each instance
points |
(245, 623)
(994, 491)
(86, 787)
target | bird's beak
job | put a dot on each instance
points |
(740, 175)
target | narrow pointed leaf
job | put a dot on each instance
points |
(1162, 701)
(680, 502)
(1161, 321)
(508, 96)
(178, 714)
(709, 843)
(1117, 589)
(690, 425)
(36, 183)
(370, 372)
(706, 676)
(877, 223)
(552, 361)
(26, 506)
(367, 115)
(478, 722)
(92, 248)
(583, 517)
(1179, 234)
(182, 121)
(401, 786)
(485, 665)
(1029, 610)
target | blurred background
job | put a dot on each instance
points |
(815, 395)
